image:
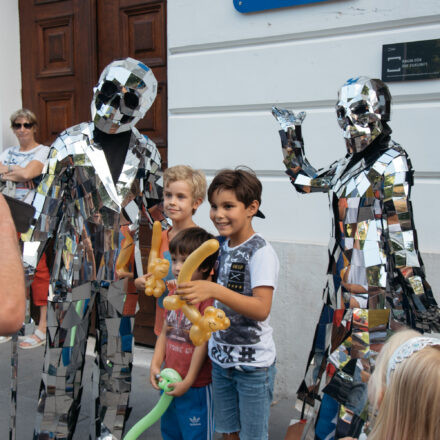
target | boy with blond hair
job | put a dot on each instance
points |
(243, 356)
(184, 191)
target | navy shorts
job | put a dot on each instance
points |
(189, 417)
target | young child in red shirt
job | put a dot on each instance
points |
(190, 414)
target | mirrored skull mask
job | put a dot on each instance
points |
(363, 105)
(125, 91)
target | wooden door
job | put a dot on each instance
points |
(65, 44)
(58, 62)
(137, 29)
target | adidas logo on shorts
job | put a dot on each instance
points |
(194, 421)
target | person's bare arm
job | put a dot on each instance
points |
(12, 290)
(140, 282)
(197, 359)
(22, 174)
(3, 168)
(158, 356)
(255, 307)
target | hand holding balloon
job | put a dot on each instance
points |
(178, 388)
(157, 267)
(168, 377)
(154, 376)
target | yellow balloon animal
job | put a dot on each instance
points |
(213, 319)
(127, 249)
(157, 267)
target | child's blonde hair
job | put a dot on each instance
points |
(377, 383)
(410, 409)
(196, 179)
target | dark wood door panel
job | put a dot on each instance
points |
(55, 44)
(132, 28)
(154, 124)
(56, 110)
(143, 30)
(58, 55)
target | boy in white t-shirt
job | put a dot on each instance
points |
(243, 356)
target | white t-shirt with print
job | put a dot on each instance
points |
(246, 342)
(13, 156)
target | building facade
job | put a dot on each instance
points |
(226, 70)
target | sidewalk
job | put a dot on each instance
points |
(143, 396)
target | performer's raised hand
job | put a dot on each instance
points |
(287, 118)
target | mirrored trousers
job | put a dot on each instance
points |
(62, 382)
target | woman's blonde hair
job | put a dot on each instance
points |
(26, 114)
(196, 179)
(377, 381)
(410, 409)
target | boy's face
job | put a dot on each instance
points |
(230, 216)
(178, 201)
(177, 261)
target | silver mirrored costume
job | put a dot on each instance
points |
(375, 279)
(81, 202)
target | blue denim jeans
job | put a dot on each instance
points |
(242, 400)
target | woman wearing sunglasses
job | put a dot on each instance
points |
(19, 165)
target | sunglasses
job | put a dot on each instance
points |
(27, 125)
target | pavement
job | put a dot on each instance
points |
(143, 396)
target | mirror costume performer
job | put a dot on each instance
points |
(100, 176)
(375, 278)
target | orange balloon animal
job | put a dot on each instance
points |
(127, 249)
(157, 267)
(213, 319)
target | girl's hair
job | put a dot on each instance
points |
(410, 409)
(377, 382)
(196, 179)
(24, 113)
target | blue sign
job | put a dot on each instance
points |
(261, 5)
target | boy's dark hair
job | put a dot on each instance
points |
(242, 181)
(189, 240)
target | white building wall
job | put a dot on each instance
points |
(226, 70)
(10, 71)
